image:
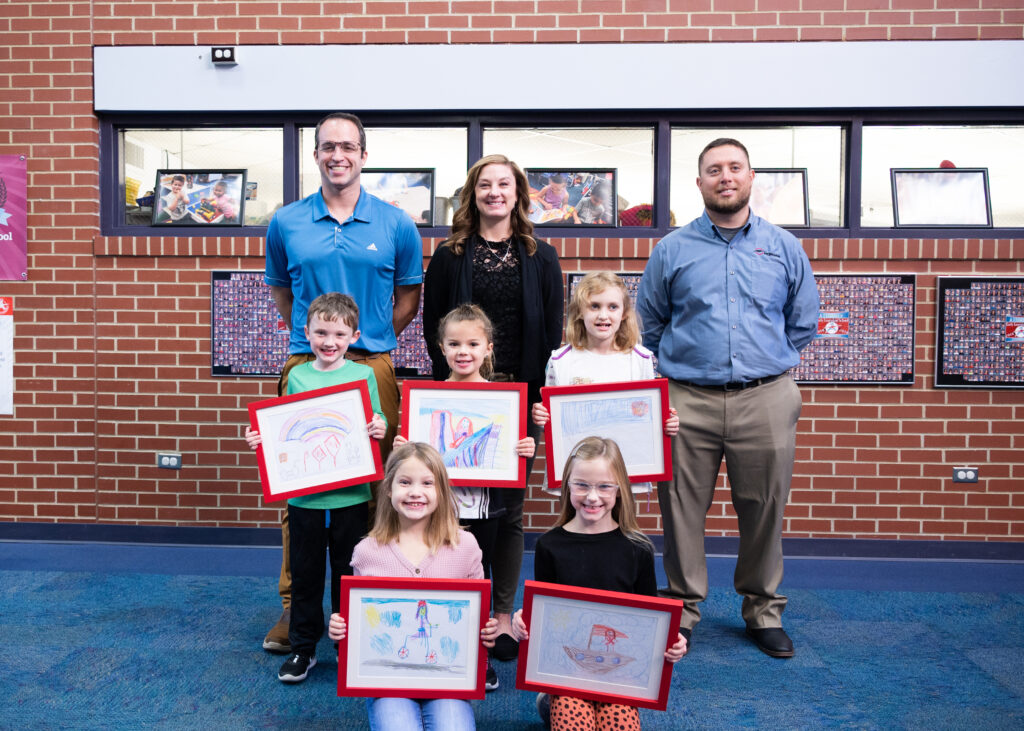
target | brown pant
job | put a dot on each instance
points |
(755, 430)
(387, 390)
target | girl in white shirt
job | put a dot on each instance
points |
(603, 336)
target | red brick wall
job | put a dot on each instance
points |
(112, 334)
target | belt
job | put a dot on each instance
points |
(733, 385)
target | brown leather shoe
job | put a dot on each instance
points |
(276, 640)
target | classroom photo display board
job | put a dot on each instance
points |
(865, 331)
(980, 332)
(248, 336)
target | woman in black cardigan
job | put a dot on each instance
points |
(493, 260)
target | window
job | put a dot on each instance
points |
(442, 148)
(629, 151)
(998, 148)
(818, 149)
(144, 151)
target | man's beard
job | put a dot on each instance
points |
(733, 206)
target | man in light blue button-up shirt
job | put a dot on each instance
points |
(727, 303)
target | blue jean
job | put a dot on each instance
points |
(424, 714)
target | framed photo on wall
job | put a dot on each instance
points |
(315, 441)
(779, 195)
(980, 332)
(598, 645)
(866, 331)
(411, 189)
(475, 427)
(199, 198)
(413, 638)
(632, 413)
(946, 197)
(560, 197)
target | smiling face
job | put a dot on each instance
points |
(602, 316)
(339, 168)
(329, 340)
(466, 346)
(593, 506)
(413, 492)
(495, 193)
(725, 181)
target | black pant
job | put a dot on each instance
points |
(309, 539)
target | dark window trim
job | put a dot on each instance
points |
(662, 122)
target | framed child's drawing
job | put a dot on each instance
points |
(475, 427)
(315, 441)
(632, 413)
(598, 645)
(561, 197)
(946, 197)
(413, 638)
(408, 189)
(199, 198)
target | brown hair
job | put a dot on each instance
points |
(334, 306)
(466, 221)
(443, 528)
(721, 142)
(470, 313)
(593, 283)
(624, 512)
(341, 115)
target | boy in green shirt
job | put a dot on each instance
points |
(332, 324)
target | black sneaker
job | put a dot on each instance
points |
(544, 708)
(296, 668)
(491, 679)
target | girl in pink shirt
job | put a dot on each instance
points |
(416, 534)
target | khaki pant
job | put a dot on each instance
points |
(755, 430)
(387, 390)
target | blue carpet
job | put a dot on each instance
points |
(125, 636)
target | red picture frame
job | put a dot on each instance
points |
(440, 412)
(561, 620)
(327, 445)
(381, 611)
(632, 413)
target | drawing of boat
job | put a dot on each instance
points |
(599, 661)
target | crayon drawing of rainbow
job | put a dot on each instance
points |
(314, 442)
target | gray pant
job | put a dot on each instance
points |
(755, 430)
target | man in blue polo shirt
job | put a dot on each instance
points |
(342, 239)
(727, 302)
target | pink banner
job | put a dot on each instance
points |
(13, 215)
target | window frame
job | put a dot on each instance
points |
(851, 121)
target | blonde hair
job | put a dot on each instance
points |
(443, 528)
(624, 512)
(470, 313)
(593, 283)
(466, 221)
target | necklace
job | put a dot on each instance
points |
(508, 248)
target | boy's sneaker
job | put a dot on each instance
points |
(491, 678)
(544, 708)
(296, 668)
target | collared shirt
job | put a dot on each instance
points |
(717, 311)
(377, 249)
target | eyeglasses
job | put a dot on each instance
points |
(327, 148)
(604, 489)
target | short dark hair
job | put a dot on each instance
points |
(720, 142)
(341, 115)
(178, 179)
